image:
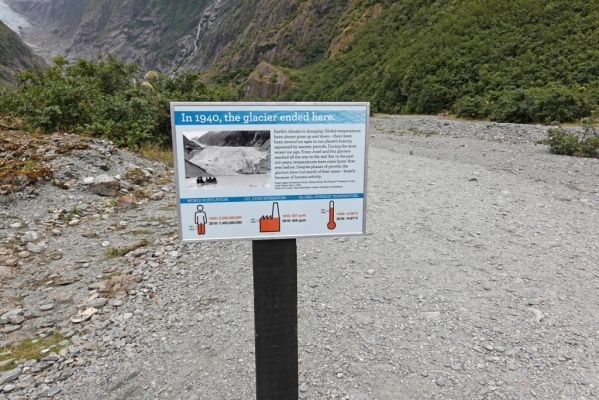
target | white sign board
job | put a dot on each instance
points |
(270, 170)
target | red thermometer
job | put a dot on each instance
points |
(331, 225)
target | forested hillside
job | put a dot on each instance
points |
(522, 60)
(518, 61)
(14, 55)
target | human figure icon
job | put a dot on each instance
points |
(200, 180)
(201, 220)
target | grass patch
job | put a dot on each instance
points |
(108, 277)
(73, 213)
(157, 153)
(121, 251)
(30, 349)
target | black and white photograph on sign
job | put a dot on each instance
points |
(227, 159)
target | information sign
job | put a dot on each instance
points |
(270, 170)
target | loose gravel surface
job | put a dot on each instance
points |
(478, 279)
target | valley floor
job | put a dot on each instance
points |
(477, 280)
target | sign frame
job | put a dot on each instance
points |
(176, 155)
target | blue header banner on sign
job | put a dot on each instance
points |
(300, 117)
(272, 198)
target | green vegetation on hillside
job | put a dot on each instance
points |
(14, 55)
(517, 61)
(105, 98)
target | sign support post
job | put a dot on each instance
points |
(275, 318)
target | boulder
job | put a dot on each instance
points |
(105, 185)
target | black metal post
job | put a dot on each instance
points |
(275, 317)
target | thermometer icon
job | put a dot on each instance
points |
(331, 225)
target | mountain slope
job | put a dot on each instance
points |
(523, 60)
(14, 55)
(188, 34)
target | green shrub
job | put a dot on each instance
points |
(105, 98)
(560, 141)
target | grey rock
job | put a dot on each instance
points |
(52, 357)
(47, 307)
(98, 302)
(116, 302)
(105, 185)
(14, 317)
(52, 392)
(537, 314)
(9, 376)
(8, 388)
(5, 272)
(29, 236)
(24, 254)
(34, 248)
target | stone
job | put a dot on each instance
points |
(5, 272)
(9, 376)
(10, 328)
(11, 262)
(52, 357)
(537, 314)
(25, 381)
(14, 317)
(98, 302)
(24, 254)
(116, 302)
(66, 373)
(88, 180)
(84, 315)
(29, 236)
(303, 388)
(52, 392)
(16, 225)
(34, 248)
(8, 388)
(90, 234)
(105, 185)
(488, 346)
(157, 196)
(136, 175)
(47, 307)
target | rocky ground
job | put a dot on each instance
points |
(477, 278)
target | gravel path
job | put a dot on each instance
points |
(477, 280)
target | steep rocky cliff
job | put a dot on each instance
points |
(228, 35)
(14, 55)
